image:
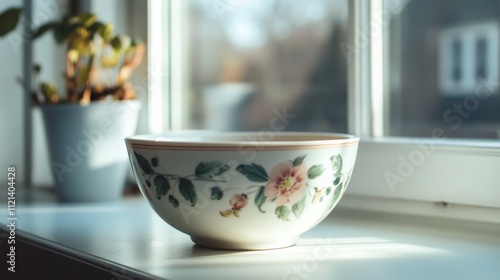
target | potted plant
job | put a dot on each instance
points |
(86, 126)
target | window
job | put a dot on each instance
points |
(390, 51)
(443, 69)
(467, 55)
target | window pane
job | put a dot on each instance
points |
(267, 64)
(443, 68)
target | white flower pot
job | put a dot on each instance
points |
(88, 157)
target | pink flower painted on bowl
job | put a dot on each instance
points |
(287, 183)
(239, 201)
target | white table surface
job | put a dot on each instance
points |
(347, 245)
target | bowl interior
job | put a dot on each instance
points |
(238, 138)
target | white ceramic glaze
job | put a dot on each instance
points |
(237, 191)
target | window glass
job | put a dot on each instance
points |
(267, 64)
(443, 68)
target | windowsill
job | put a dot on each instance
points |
(128, 239)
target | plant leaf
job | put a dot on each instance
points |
(8, 20)
(315, 171)
(106, 31)
(49, 91)
(260, 198)
(44, 28)
(116, 43)
(187, 190)
(61, 32)
(143, 163)
(206, 170)
(298, 160)
(254, 172)
(216, 193)
(336, 164)
(298, 207)
(162, 186)
(173, 200)
(282, 212)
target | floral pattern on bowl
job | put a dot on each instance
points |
(285, 188)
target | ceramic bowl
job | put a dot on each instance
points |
(243, 191)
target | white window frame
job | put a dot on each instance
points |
(449, 178)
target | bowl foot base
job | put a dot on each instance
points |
(232, 245)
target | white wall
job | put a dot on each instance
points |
(11, 121)
(46, 53)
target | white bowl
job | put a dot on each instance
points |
(245, 191)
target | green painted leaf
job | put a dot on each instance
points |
(143, 163)
(260, 198)
(162, 186)
(187, 190)
(173, 200)
(315, 171)
(148, 183)
(298, 160)
(337, 180)
(154, 161)
(216, 193)
(298, 207)
(337, 192)
(8, 20)
(222, 169)
(282, 212)
(336, 164)
(206, 170)
(328, 190)
(254, 172)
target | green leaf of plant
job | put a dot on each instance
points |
(106, 31)
(162, 186)
(187, 190)
(216, 193)
(206, 170)
(143, 163)
(298, 207)
(298, 160)
(44, 28)
(336, 164)
(174, 201)
(86, 19)
(282, 212)
(49, 91)
(8, 20)
(254, 172)
(222, 169)
(116, 43)
(61, 32)
(260, 198)
(315, 171)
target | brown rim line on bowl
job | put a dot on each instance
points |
(243, 190)
(202, 140)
